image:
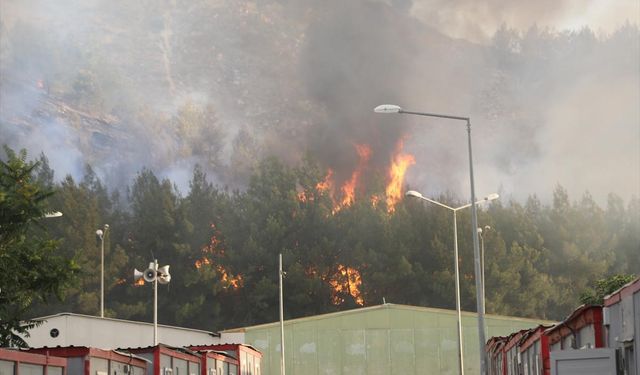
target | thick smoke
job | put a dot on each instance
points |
(479, 20)
(165, 85)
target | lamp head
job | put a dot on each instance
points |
(492, 196)
(99, 233)
(413, 193)
(387, 108)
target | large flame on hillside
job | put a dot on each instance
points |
(345, 196)
(397, 170)
(349, 187)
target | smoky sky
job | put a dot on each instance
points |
(478, 20)
(548, 106)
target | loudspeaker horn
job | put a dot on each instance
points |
(163, 275)
(150, 275)
(164, 279)
(137, 275)
(164, 270)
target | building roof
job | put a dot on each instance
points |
(65, 314)
(384, 306)
(627, 289)
(580, 317)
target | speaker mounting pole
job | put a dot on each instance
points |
(154, 274)
(155, 305)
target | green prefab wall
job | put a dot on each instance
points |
(385, 339)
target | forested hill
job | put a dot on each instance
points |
(124, 85)
(223, 246)
(273, 101)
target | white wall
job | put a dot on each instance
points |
(106, 333)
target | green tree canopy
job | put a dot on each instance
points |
(31, 269)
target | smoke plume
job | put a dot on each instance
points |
(166, 85)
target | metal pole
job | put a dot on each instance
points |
(102, 275)
(106, 228)
(282, 361)
(455, 253)
(155, 304)
(476, 256)
(484, 307)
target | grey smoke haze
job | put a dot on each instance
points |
(478, 20)
(167, 85)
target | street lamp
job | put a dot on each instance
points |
(101, 234)
(280, 276)
(391, 108)
(490, 197)
(154, 274)
(486, 227)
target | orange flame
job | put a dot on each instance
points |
(399, 165)
(349, 188)
(327, 183)
(214, 250)
(375, 199)
(346, 280)
(400, 162)
(234, 282)
(302, 197)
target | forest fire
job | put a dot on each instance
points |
(214, 249)
(327, 183)
(349, 188)
(397, 170)
(346, 280)
(400, 162)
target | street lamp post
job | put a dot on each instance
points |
(281, 274)
(490, 197)
(101, 234)
(390, 108)
(482, 262)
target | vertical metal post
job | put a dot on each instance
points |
(458, 308)
(282, 360)
(482, 266)
(106, 228)
(155, 304)
(476, 256)
(102, 275)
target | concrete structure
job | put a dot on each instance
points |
(384, 339)
(67, 329)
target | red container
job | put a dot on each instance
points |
(16, 361)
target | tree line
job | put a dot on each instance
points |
(223, 246)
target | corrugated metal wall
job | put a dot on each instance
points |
(391, 339)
